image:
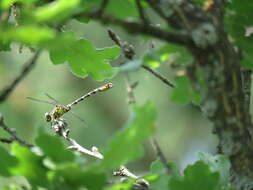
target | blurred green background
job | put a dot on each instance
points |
(181, 130)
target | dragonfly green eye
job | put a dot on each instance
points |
(48, 117)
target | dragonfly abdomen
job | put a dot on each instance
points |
(100, 89)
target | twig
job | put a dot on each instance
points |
(60, 128)
(154, 4)
(182, 17)
(8, 89)
(102, 7)
(6, 140)
(140, 183)
(13, 134)
(141, 12)
(140, 28)
(129, 53)
(124, 172)
(161, 156)
(130, 87)
(128, 49)
(158, 75)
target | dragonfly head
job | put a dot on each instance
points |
(48, 117)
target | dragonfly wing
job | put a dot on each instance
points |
(55, 101)
(43, 101)
(50, 97)
(78, 117)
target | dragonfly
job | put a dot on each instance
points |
(60, 109)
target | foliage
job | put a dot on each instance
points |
(126, 145)
(237, 22)
(45, 168)
(39, 25)
(209, 173)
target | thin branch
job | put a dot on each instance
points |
(130, 90)
(141, 12)
(129, 53)
(182, 17)
(7, 140)
(161, 156)
(154, 4)
(13, 134)
(77, 147)
(102, 7)
(140, 183)
(158, 75)
(124, 172)
(8, 89)
(140, 28)
(60, 127)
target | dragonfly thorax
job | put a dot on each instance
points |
(56, 113)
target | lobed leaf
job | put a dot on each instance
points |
(7, 161)
(238, 18)
(27, 34)
(75, 177)
(49, 145)
(162, 180)
(29, 165)
(127, 8)
(196, 176)
(5, 45)
(4, 4)
(217, 163)
(83, 58)
(126, 145)
(55, 10)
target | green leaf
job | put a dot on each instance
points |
(5, 45)
(122, 8)
(126, 145)
(157, 167)
(27, 34)
(197, 176)
(218, 163)
(162, 180)
(49, 145)
(56, 10)
(6, 162)
(83, 58)
(4, 4)
(75, 177)
(174, 169)
(238, 18)
(171, 52)
(126, 185)
(11, 187)
(184, 93)
(29, 165)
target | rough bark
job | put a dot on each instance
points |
(225, 101)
